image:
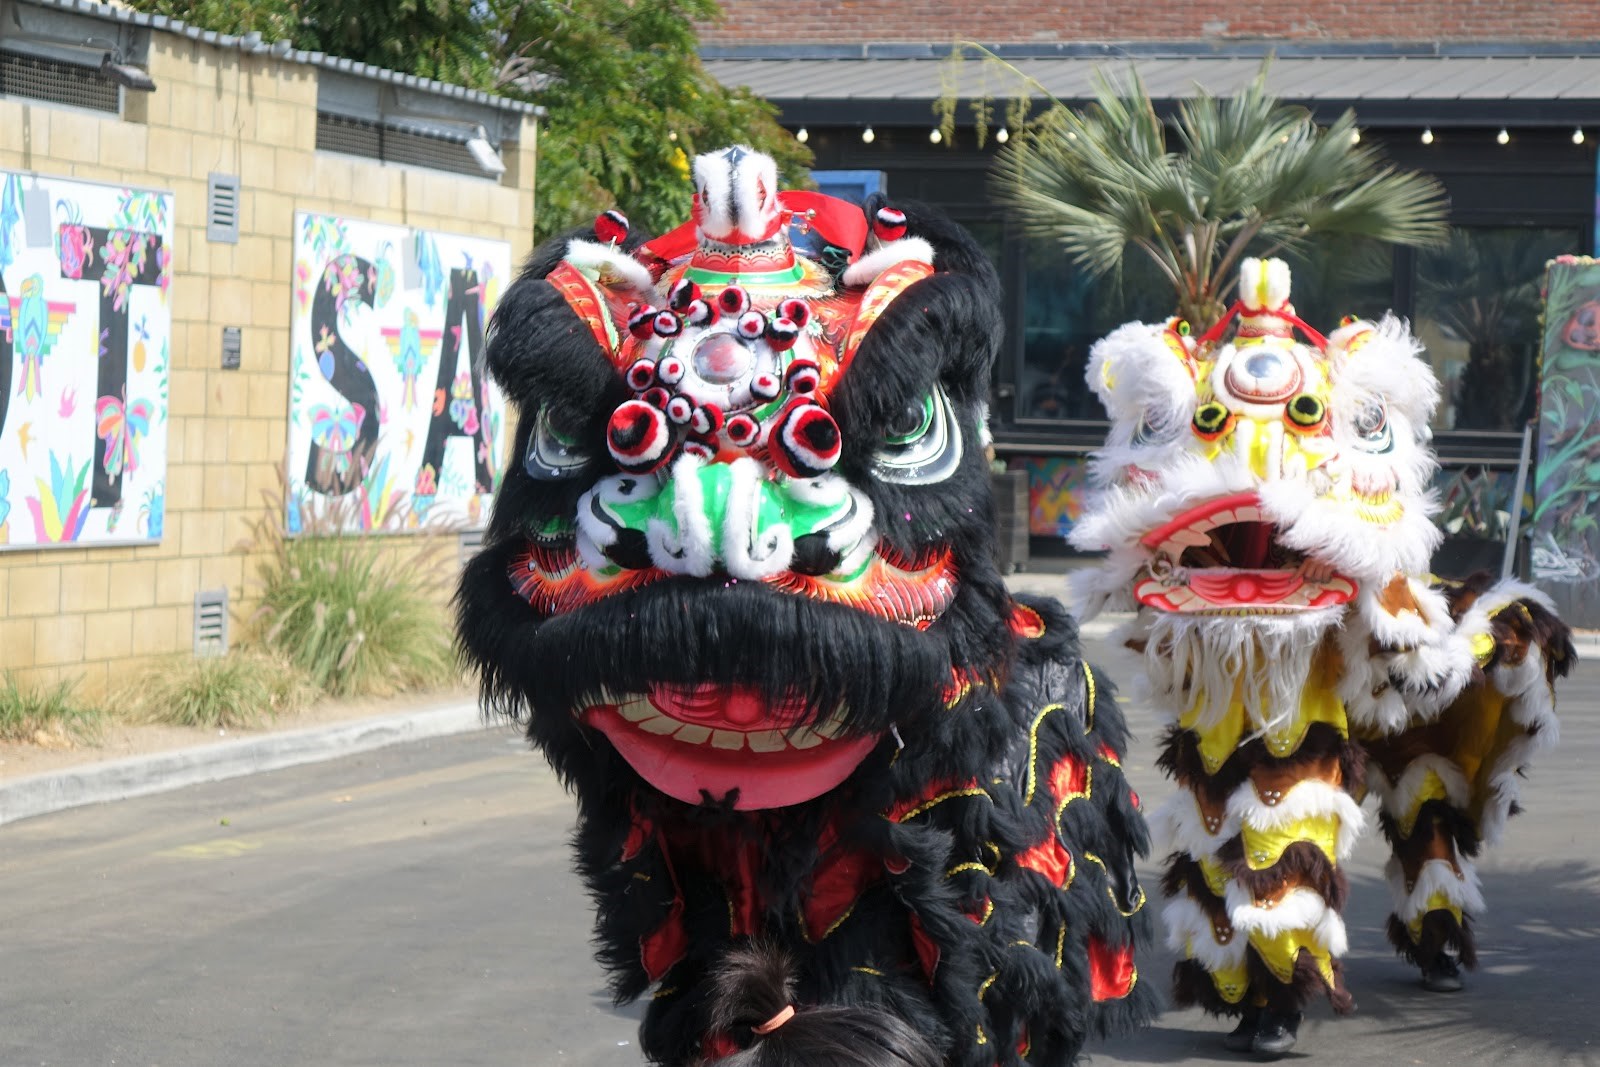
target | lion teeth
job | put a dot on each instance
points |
(693, 734)
(731, 740)
(638, 710)
(659, 725)
(766, 741)
(805, 738)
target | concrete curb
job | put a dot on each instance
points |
(160, 772)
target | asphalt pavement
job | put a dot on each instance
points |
(415, 906)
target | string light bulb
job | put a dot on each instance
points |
(1427, 135)
(1003, 135)
(802, 135)
(1355, 136)
(1577, 135)
(867, 136)
(1503, 137)
(934, 136)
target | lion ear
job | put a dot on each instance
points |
(1145, 370)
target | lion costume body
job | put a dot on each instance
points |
(741, 585)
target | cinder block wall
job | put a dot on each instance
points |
(99, 614)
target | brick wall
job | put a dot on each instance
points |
(97, 614)
(1023, 21)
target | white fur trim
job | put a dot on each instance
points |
(1137, 376)
(744, 556)
(689, 549)
(865, 270)
(591, 258)
(1178, 823)
(1436, 876)
(1298, 909)
(1531, 706)
(1189, 932)
(713, 182)
(1305, 799)
(1400, 798)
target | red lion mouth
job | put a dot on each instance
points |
(1222, 558)
(696, 743)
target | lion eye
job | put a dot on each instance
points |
(922, 444)
(1372, 429)
(552, 455)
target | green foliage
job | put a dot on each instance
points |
(358, 617)
(1226, 178)
(620, 80)
(47, 715)
(240, 689)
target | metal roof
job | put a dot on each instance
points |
(1530, 87)
(252, 44)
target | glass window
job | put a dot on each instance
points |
(1478, 315)
(1064, 313)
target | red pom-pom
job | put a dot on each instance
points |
(796, 311)
(751, 325)
(638, 437)
(700, 448)
(765, 386)
(701, 313)
(742, 430)
(782, 334)
(680, 409)
(671, 370)
(707, 420)
(610, 226)
(666, 324)
(804, 442)
(733, 301)
(803, 377)
(682, 294)
(656, 398)
(642, 322)
(642, 375)
(889, 224)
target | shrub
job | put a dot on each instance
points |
(357, 616)
(242, 688)
(50, 715)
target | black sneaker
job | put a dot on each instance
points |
(1275, 1035)
(1443, 975)
(1244, 1035)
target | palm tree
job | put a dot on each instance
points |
(1248, 175)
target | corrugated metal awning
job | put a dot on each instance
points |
(1460, 89)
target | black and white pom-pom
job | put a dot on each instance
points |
(642, 322)
(707, 420)
(656, 397)
(666, 324)
(733, 301)
(804, 442)
(682, 294)
(638, 437)
(802, 377)
(751, 325)
(670, 371)
(742, 430)
(701, 313)
(889, 224)
(782, 334)
(765, 386)
(610, 227)
(680, 409)
(796, 311)
(642, 375)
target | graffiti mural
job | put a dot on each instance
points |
(84, 359)
(1056, 489)
(392, 422)
(1566, 497)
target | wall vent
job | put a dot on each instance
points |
(471, 543)
(211, 622)
(56, 82)
(222, 208)
(419, 144)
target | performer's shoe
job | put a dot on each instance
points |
(1443, 975)
(1244, 1035)
(1275, 1035)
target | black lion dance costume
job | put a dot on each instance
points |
(1266, 506)
(741, 583)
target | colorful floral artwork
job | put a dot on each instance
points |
(392, 422)
(1056, 487)
(85, 325)
(1566, 487)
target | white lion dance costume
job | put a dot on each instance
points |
(1264, 499)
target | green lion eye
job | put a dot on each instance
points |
(911, 423)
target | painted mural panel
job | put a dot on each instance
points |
(1057, 486)
(84, 357)
(393, 423)
(1566, 497)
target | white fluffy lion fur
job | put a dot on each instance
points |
(593, 259)
(1189, 932)
(1400, 798)
(865, 270)
(1436, 876)
(1179, 823)
(1298, 909)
